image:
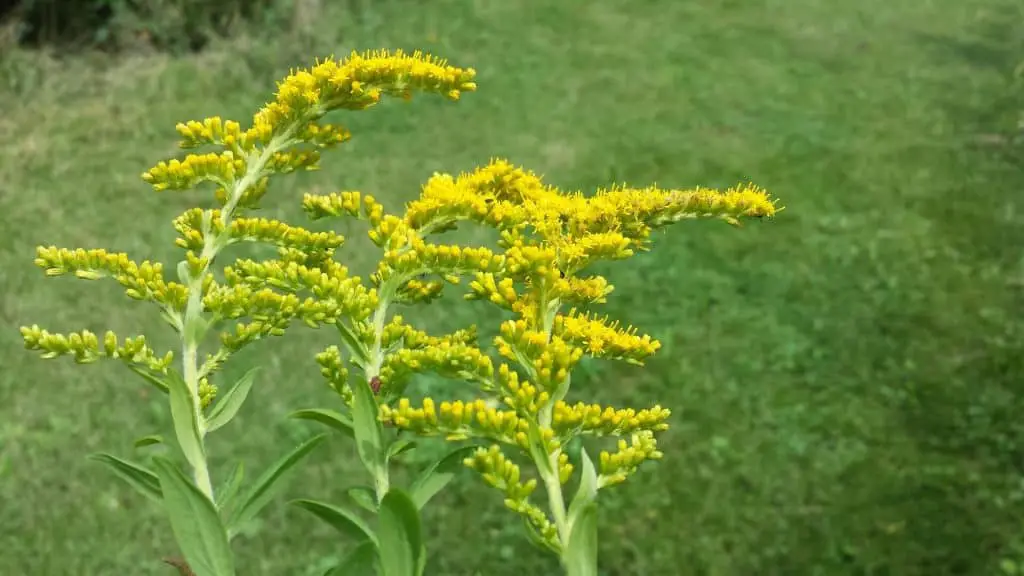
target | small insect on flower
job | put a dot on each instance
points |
(375, 384)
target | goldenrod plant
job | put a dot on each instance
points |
(287, 134)
(540, 272)
(548, 241)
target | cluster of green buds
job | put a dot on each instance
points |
(537, 273)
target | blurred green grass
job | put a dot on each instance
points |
(846, 380)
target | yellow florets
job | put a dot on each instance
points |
(85, 347)
(142, 281)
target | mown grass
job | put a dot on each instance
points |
(846, 380)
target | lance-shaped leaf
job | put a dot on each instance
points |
(150, 440)
(135, 475)
(186, 424)
(361, 560)
(340, 518)
(227, 405)
(368, 430)
(364, 496)
(580, 555)
(400, 446)
(260, 493)
(438, 475)
(331, 418)
(401, 537)
(196, 525)
(227, 492)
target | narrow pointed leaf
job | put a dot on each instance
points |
(400, 446)
(356, 349)
(438, 475)
(332, 418)
(195, 523)
(226, 493)
(364, 496)
(227, 405)
(538, 451)
(587, 491)
(186, 427)
(400, 533)
(340, 518)
(157, 383)
(149, 440)
(254, 499)
(135, 475)
(580, 557)
(368, 430)
(362, 560)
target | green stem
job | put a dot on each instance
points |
(200, 470)
(212, 245)
(375, 360)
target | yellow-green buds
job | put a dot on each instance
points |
(501, 473)
(582, 418)
(86, 348)
(142, 281)
(615, 467)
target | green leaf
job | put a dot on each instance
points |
(534, 536)
(196, 328)
(364, 496)
(149, 440)
(438, 475)
(137, 476)
(336, 420)
(228, 404)
(262, 491)
(361, 561)
(340, 518)
(538, 452)
(367, 426)
(184, 276)
(156, 382)
(580, 556)
(356, 349)
(401, 537)
(186, 426)
(195, 523)
(587, 491)
(226, 493)
(400, 446)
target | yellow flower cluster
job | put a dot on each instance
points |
(499, 472)
(582, 418)
(86, 348)
(304, 97)
(457, 420)
(143, 281)
(398, 333)
(548, 238)
(333, 369)
(335, 295)
(604, 339)
(190, 226)
(448, 359)
(547, 358)
(420, 257)
(341, 204)
(615, 467)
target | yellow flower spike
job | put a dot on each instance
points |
(141, 281)
(86, 348)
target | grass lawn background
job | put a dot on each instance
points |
(845, 380)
